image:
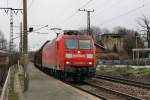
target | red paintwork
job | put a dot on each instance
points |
(54, 53)
(99, 51)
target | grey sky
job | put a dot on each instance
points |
(63, 14)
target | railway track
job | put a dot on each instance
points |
(103, 92)
(124, 81)
(88, 91)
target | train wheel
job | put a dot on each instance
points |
(76, 79)
(56, 74)
(62, 75)
(59, 74)
(51, 72)
(65, 76)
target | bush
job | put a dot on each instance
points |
(3, 73)
(109, 56)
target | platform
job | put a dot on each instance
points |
(44, 87)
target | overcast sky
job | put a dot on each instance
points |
(63, 14)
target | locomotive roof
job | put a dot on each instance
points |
(78, 36)
(72, 32)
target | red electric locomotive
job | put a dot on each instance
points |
(70, 56)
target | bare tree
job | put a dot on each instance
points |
(105, 31)
(95, 30)
(3, 42)
(129, 41)
(120, 30)
(144, 22)
(3, 67)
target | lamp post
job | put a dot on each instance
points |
(137, 52)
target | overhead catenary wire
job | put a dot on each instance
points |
(73, 14)
(40, 28)
(109, 7)
(20, 4)
(92, 4)
(86, 3)
(31, 3)
(125, 14)
(7, 3)
(34, 31)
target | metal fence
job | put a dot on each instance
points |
(138, 62)
(7, 85)
(3, 73)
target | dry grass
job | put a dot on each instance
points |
(124, 70)
(13, 95)
(0, 89)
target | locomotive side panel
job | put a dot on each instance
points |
(49, 55)
(61, 53)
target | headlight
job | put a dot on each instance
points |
(67, 62)
(90, 63)
(68, 56)
(89, 55)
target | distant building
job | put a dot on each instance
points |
(4, 57)
(100, 50)
(113, 42)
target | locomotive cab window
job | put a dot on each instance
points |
(71, 44)
(78, 44)
(85, 44)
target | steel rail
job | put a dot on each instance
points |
(124, 81)
(76, 86)
(90, 92)
(124, 95)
